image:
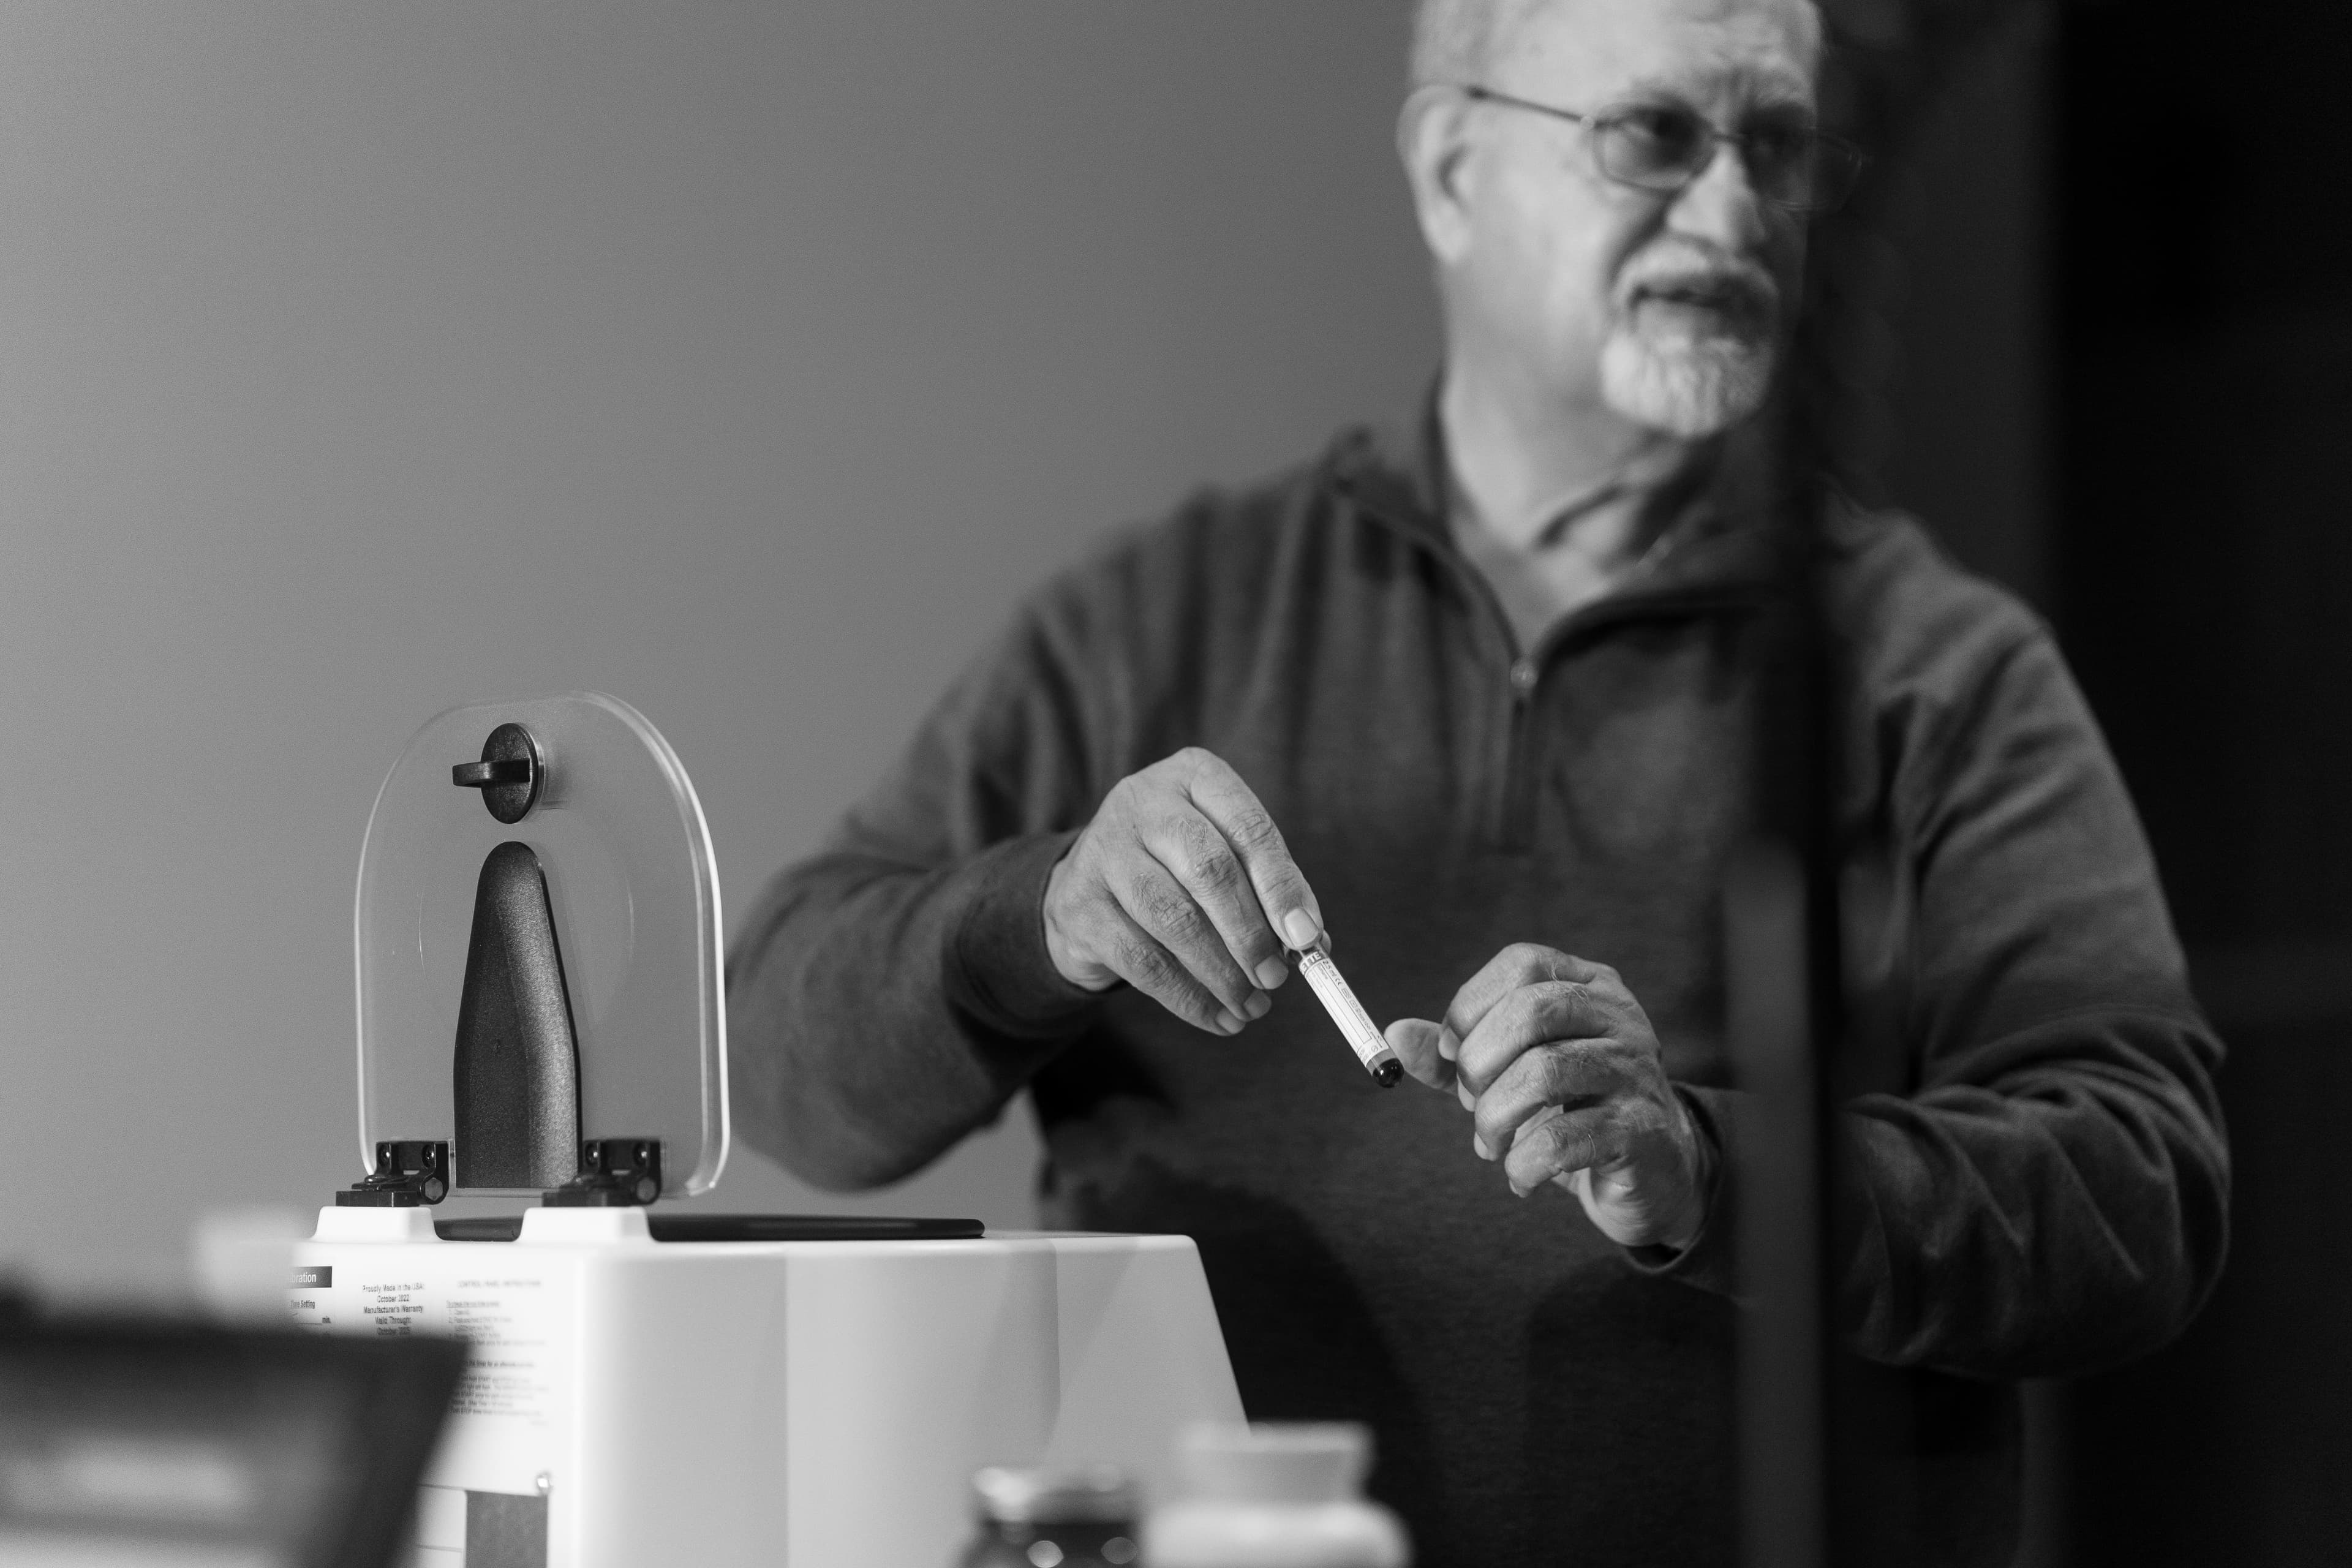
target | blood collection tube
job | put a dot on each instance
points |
(1340, 1001)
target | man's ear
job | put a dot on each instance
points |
(1434, 142)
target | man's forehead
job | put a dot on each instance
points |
(1583, 48)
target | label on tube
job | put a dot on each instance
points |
(1339, 1001)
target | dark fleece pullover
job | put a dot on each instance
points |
(2042, 1162)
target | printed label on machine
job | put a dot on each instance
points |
(392, 1307)
(505, 1322)
(396, 1308)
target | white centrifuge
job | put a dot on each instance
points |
(541, 1016)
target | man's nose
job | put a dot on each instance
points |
(1720, 206)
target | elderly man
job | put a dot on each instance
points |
(1477, 706)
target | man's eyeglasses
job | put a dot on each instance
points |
(1665, 146)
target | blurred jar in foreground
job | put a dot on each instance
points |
(1275, 1496)
(1052, 1518)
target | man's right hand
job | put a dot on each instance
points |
(1179, 887)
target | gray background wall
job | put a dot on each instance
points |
(743, 360)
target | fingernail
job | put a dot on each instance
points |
(1257, 1004)
(1299, 927)
(1479, 1143)
(1449, 1045)
(1273, 973)
(1229, 1024)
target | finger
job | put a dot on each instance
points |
(1289, 904)
(1568, 1076)
(1485, 1151)
(1521, 963)
(1540, 1014)
(1194, 852)
(1587, 1139)
(1423, 1048)
(1111, 935)
(1166, 911)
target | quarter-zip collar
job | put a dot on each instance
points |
(1714, 556)
(1716, 551)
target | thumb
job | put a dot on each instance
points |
(1426, 1049)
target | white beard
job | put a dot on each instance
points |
(1686, 385)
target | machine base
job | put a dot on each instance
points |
(772, 1403)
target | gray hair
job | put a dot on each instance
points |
(1454, 42)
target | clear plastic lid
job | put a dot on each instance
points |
(634, 895)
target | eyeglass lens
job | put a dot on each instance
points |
(1662, 146)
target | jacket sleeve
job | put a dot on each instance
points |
(889, 994)
(2044, 1188)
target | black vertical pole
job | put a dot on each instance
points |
(1786, 1001)
(1815, 1488)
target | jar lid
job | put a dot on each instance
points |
(1013, 1495)
(1292, 1462)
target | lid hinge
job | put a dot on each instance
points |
(408, 1172)
(615, 1172)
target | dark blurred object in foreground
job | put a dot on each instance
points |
(2204, 361)
(136, 1441)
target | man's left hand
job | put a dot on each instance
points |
(1561, 1072)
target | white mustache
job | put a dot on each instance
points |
(1744, 286)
